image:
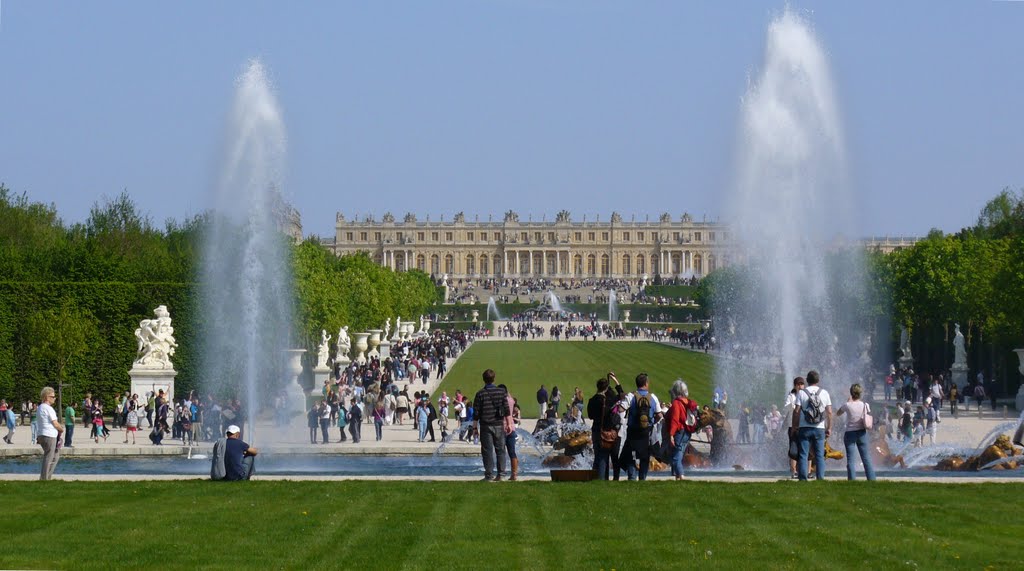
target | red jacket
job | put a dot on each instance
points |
(677, 414)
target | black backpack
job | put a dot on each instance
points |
(641, 419)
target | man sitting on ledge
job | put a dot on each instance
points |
(233, 459)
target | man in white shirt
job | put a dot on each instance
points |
(813, 417)
(48, 431)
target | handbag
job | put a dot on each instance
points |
(794, 449)
(608, 435)
(869, 421)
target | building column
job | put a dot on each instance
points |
(518, 266)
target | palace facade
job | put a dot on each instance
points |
(563, 248)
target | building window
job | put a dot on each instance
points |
(348, 236)
(711, 236)
(551, 237)
(604, 236)
(362, 236)
(434, 236)
(640, 236)
(675, 236)
(447, 236)
(470, 236)
(400, 236)
(696, 236)
(376, 236)
(421, 236)
(578, 236)
(524, 236)
(536, 236)
(497, 237)
(591, 237)
(625, 238)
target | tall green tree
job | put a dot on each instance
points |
(59, 337)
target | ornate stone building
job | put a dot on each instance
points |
(515, 248)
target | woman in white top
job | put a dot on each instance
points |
(48, 431)
(857, 435)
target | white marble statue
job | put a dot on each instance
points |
(959, 347)
(387, 330)
(423, 324)
(323, 351)
(398, 328)
(344, 345)
(156, 340)
(905, 343)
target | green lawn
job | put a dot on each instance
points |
(524, 365)
(527, 525)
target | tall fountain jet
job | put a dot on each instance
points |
(789, 206)
(613, 306)
(246, 275)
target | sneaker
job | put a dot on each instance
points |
(487, 479)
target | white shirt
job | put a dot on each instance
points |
(45, 417)
(803, 396)
(856, 410)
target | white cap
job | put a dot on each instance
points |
(233, 429)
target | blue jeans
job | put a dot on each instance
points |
(423, 429)
(805, 437)
(510, 445)
(602, 456)
(681, 440)
(69, 433)
(860, 440)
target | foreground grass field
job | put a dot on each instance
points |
(526, 525)
(524, 365)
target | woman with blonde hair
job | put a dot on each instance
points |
(857, 433)
(48, 431)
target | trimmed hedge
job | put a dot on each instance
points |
(118, 307)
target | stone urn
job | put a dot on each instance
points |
(476, 315)
(361, 347)
(426, 325)
(625, 314)
(374, 342)
(296, 397)
(409, 329)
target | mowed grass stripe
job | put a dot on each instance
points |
(525, 365)
(534, 525)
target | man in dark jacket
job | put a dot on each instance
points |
(542, 401)
(599, 410)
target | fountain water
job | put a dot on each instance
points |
(553, 301)
(613, 306)
(788, 205)
(492, 310)
(246, 274)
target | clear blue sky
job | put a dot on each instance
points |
(481, 106)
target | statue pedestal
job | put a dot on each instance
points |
(320, 374)
(959, 376)
(906, 362)
(384, 349)
(145, 379)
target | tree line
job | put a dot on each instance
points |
(71, 295)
